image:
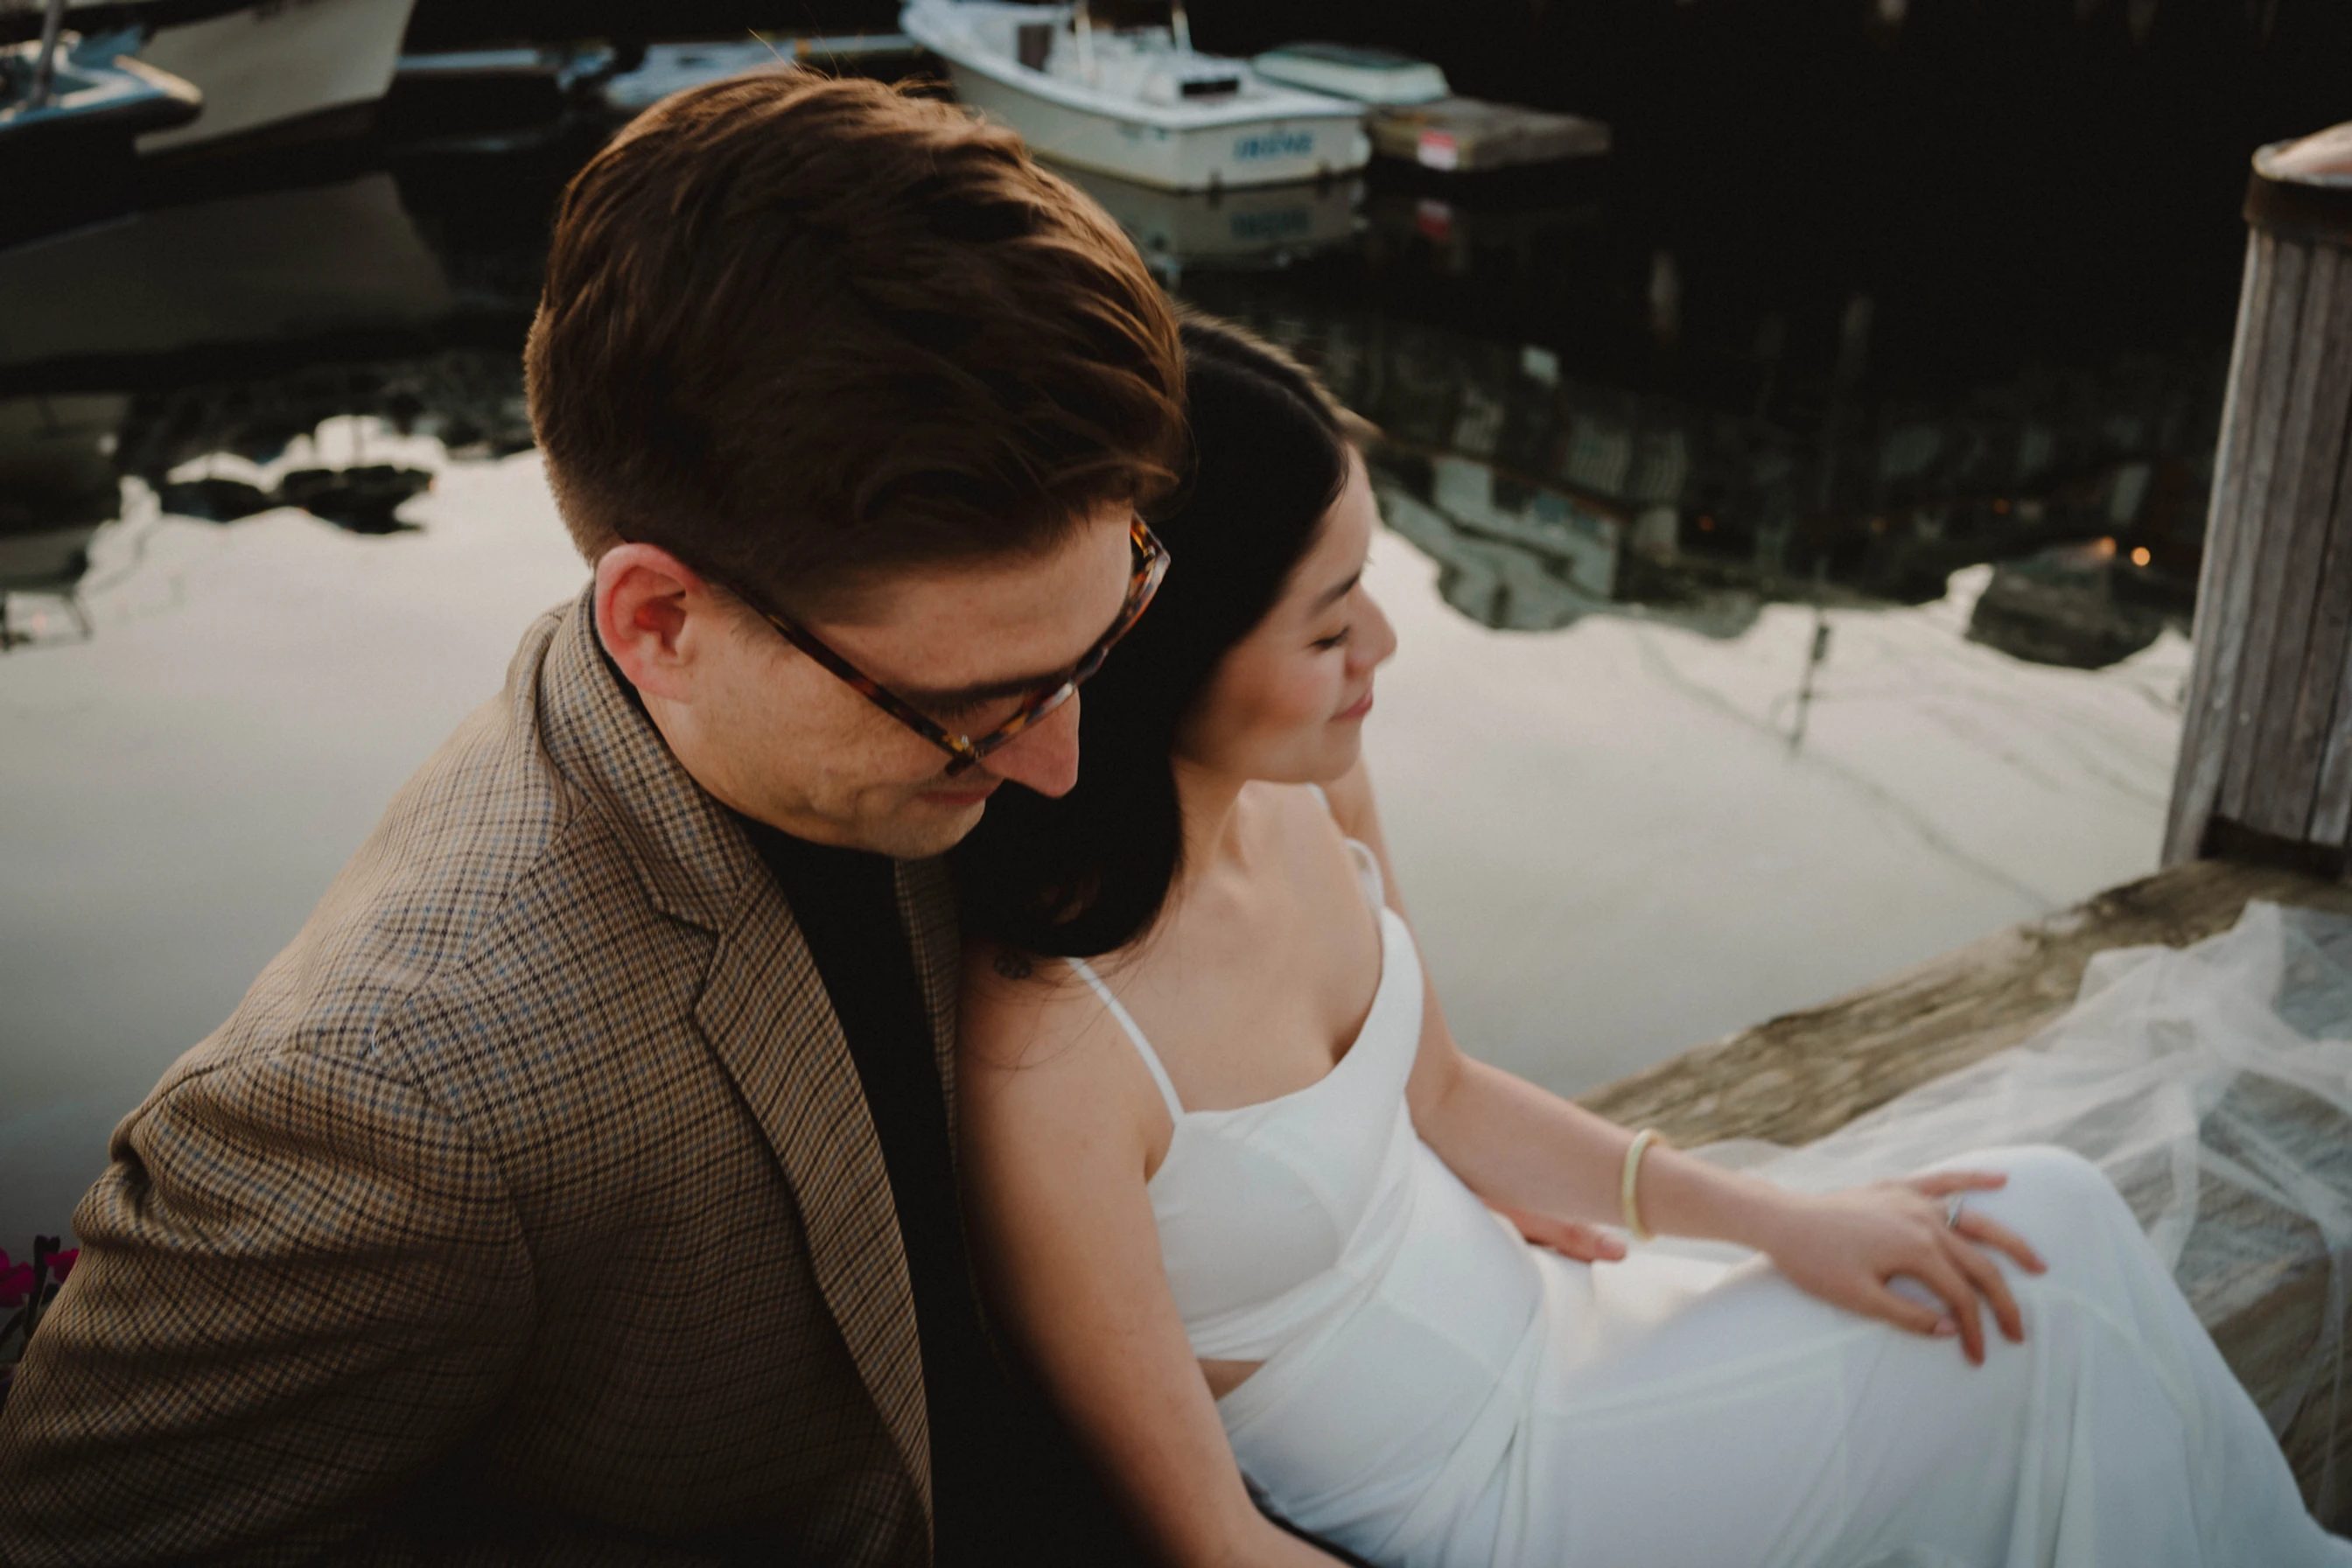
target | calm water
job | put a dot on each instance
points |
(1783, 600)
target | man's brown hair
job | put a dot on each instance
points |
(800, 332)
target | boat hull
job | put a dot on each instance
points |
(1271, 150)
(69, 160)
(1265, 225)
(277, 61)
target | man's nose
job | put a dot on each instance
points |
(1044, 757)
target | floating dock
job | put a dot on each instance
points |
(1470, 135)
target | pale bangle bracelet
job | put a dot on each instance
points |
(1628, 1184)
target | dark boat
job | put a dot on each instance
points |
(274, 74)
(72, 108)
(2077, 605)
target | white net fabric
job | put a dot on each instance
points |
(2213, 1084)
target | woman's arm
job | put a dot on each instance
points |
(1530, 1152)
(1057, 1117)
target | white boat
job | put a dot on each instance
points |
(1138, 103)
(1360, 71)
(673, 67)
(261, 65)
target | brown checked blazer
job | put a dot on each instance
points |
(527, 1208)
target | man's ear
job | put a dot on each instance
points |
(652, 612)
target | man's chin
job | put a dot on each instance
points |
(935, 822)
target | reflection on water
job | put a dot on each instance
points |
(234, 327)
(269, 524)
(1550, 494)
(247, 269)
(58, 486)
(366, 498)
(1523, 557)
(1631, 452)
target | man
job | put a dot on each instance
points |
(577, 1187)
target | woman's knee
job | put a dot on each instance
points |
(2055, 1198)
(2040, 1166)
(2053, 1166)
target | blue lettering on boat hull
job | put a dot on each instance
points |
(1273, 145)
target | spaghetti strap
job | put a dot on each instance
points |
(1143, 1048)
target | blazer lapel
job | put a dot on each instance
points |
(768, 1020)
(927, 911)
(763, 1010)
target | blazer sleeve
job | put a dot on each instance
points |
(300, 1284)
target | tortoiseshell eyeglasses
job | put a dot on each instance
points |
(965, 751)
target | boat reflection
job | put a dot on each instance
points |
(44, 563)
(213, 276)
(233, 329)
(58, 488)
(1522, 556)
(69, 462)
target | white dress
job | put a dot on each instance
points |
(1436, 1392)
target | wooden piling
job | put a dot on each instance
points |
(2266, 741)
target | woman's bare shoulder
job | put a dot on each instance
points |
(1020, 1010)
(1043, 1074)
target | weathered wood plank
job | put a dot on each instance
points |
(2265, 1313)
(1804, 1075)
(2331, 818)
(2328, 511)
(2270, 464)
(2220, 601)
(2268, 1335)
(1807, 1074)
(2282, 786)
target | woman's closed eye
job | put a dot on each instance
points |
(1337, 639)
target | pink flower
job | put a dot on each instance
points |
(61, 1263)
(15, 1281)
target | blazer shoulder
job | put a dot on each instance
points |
(489, 876)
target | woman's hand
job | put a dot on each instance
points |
(1570, 1238)
(1846, 1247)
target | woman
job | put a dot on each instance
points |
(1235, 1189)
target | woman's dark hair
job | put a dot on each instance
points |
(1088, 872)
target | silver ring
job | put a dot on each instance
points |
(1952, 1211)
